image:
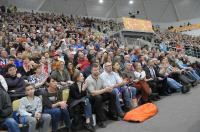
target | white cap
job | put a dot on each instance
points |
(38, 31)
(52, 29)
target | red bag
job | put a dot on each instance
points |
(141, 113)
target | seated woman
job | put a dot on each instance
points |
(141, 82)
(27, 68)
(53, 105)
(46, 64)
(70, 70)
(30, 109)
(61, 75)
(39, 78)
(78, 96)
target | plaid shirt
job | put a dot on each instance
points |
(33, 79)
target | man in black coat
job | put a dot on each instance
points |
(15, 82)
(155, 80)
(6, 111)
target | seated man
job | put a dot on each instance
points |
(176, 73)
(53, 105)
(188, 70)
(167, 71)
(113, 80)
(155, 80)
(15, 82)
(100, 94)
(6, 111)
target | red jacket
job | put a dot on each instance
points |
(84, 64)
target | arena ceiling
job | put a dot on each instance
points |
(155, 10)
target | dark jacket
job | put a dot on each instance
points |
(5, 105)
(15, 83)
(74, 93)
(65, 76)
(51, 98)
(148, 73)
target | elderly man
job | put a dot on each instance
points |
(113, 80)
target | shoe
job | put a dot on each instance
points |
(185, 89)
(141, 102)
(194, 83)
(154, 99)
(114, 118)
(90, 128)
(101, 124)
(68, 130)
(127, 109)
(158, 97)
(121, 115)
(165, 94)
(169, 91)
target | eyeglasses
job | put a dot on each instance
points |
(108, 65)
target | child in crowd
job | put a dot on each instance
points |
(30, 111)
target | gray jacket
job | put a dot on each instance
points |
(27, 108)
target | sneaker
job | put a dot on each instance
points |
(195, 83)
(101, 124)
(185, 89)
(90, 128)
(121, 115)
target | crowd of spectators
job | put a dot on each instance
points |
(179, 41)
(44, 53)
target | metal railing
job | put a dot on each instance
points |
(189, 50)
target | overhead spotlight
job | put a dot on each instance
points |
(101, 1)
(131, 2)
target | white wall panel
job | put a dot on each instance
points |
(159, 11)
(27, 4)
(3, 2)
(185, 7)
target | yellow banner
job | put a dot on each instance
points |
(137, 24)
(185, 28)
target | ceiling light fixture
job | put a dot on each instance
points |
(101, 1)
(131, 2)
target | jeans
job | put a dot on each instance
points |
(88, 109)
(132, 92)
(127, 98)
(11, 124)
(56, 114)
(174, 84)
(32, 123)
(97, 104)
(194, 75)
